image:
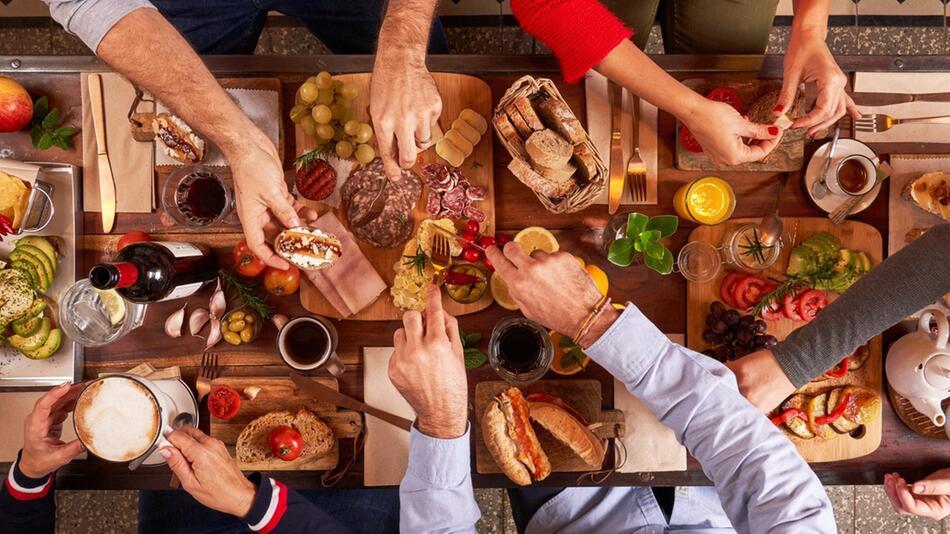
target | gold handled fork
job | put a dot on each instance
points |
(441, 257)
(879, 122)
(209, 371)
(636, 169)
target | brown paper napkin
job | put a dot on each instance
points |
(386, 454)
(14, 407)
(907, 83)
(133, 162)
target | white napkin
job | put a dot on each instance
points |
(599, 126)
(905, 83)
(24, 171)
(262, 107)
(908, 83)
(386, 453)
(651, 445)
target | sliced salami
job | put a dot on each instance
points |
(474, 214)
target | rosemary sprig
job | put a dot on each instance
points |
(416, 261)
(318, 152)
(755, 247)
(788, 286)
(246, 294)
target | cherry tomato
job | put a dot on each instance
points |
(486, 241)
(282, 282)
(748, 292)
(245, 262)
(727, 95)
(132, 237)
(488, 265)
(502, 239)
(471, 227)
(224, 402)
(688, 141)
(728, 284)
(810, 303)
(790, 306)
(471, 255)
(285, 442)
(468, 237)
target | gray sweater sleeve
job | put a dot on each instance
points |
(91, 20)
(918, 275)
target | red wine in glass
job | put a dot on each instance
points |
(201, 197)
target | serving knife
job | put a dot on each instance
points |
(618, 174)
(106, 180)
(334, 397)
(887, 99)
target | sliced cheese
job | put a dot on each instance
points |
(449, 152)
(460, 142)
(467, 131)
(475, 120)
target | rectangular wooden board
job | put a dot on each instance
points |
(902, 214)
(788, 156)
(853, 235)
(279, 393)
(458, 92)
(582, 395)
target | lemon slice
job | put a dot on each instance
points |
(599, 277)
(557, 364)
(499, 290)
(536, 238)
(113, 304)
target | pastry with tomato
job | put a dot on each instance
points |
(259, 442)
(826, 415)
(852, 362)
(308, 248)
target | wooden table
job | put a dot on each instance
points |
(662, 298)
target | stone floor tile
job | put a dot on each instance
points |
(778, 40)
(842, 502)
(841, 40)
(63, 43)
(885, 41)
(25, 42)
(508, 520)
(97, 512)
(491, 503)
(655, 42)
(490, 40)
(290, 41)
(873, 515)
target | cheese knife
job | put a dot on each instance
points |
(106, 180)
(334, 397)
(618, 174)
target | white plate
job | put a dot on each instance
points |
(846, 147)
(185, 401)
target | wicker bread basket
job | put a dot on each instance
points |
(583, 195)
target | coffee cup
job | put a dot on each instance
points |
(854, 175)
(308, 343)
(119, 418)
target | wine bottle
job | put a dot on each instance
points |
(156, 271)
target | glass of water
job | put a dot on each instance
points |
(90, 319)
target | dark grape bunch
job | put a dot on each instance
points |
(733, 335)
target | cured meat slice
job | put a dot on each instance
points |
(474, 214)
(394, 224)
(434, 204)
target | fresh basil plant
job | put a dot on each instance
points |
(643, 235)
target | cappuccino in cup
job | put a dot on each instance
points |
(117, 418)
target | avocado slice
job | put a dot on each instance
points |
(866, 262)
(27, 327)
(48, 348)
(51, 267)
(38, 307)
(41, 243)
(845, 259)
(35, 341)
(29, 271)
(802, 260)
(43, 280)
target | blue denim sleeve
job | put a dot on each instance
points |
(763, 483)
(91, 20)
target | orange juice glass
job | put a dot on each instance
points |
(708, 200)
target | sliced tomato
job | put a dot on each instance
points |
(224, 402)
(728, 284)
(728, 95)
(790, 306)
(688, 141)
(810, 303)
(748, 292)
(773, 312)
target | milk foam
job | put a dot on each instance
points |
(119, 420)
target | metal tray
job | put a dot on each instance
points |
(18, 373)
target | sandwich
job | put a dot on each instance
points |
(565, 424)
(177, 138)
(308, 248)
(507, 431)
(931, 192)
(252, 444)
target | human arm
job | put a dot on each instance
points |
(928, 497)
(428, 369)
(139, 43)
(404, 101)
(584, 35)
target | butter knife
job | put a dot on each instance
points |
(106, 180)
(334, 397)
(887, 99)
(618, 176)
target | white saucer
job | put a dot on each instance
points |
(846, 147)
(184, 400)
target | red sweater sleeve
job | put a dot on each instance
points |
(580, 32)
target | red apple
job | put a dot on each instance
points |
(16, 106)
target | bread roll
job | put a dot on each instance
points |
(460, 142)
(548, 149)
(501, 447)
(538, 183)
(570, 431)
(474, 119)
(558, 175)
(449, 152)
(558, 116)
(469, 133)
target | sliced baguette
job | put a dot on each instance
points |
(523, 105)
(548, 149)
(559, 174)
(521, 126)
(537, 182)
(570, 431)
(502, 447)
(584, 159)
(507, 131)
(558, 116)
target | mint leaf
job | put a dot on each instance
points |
(636, 223)
(474, 358)
(65, 132)
(666, 224)
(621, 252)
(566, 342)
(572, 357)
(35, 133)
(45, 141)
(40, 109)
(471, 339)
(662, 265)
(61, 143)
(51, 119)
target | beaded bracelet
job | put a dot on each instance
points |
(588, 322)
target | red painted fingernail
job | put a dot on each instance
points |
(779, 108)
(773, 130)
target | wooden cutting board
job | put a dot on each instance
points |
(853, 235)
(788, 156)
(458, 92)
(903, 214)
(582, 395)
(279, 393)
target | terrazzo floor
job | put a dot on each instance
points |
(858, 509)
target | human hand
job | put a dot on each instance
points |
(261, 193)
(428, 369)
(43, 450)
(208, 473)
(928, 497)
(403, 103)
(761, 379)
(809, 60)
(722, 132)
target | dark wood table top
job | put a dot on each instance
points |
(662, 298)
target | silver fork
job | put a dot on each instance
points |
(879, 122)
(441, 257)
(839, 214)
(636, 169)
(208, 372)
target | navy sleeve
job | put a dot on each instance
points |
(27, 505)
(279, 509)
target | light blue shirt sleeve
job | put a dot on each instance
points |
(91, 20)
(435, 495)
(762, 482)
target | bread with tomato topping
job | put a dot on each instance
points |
(252, 444)
(507, 431)
(308, 248)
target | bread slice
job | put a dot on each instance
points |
(571, 432)
(538, 183)
(931, 192)
(558, 116)
(559, 174)
(548, 149)
(523, 104)
(502, 447)
(584, 159)
(252, 445)
(507, 131)
(521, 126)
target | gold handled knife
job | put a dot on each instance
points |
(334, 397)
(617, 173)
(106, 181)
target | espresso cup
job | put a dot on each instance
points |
(119, 418)
(308, 343)
(834, 181)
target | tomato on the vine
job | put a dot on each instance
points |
(502, 239)
(471, 227)
(282, 282)
(486, 241)
(285, 442)
(471, 255)
(245, 262)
